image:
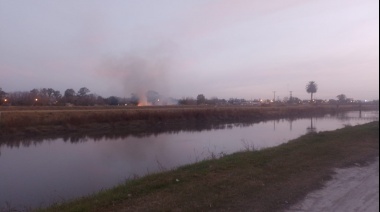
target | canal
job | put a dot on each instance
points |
(37, 174)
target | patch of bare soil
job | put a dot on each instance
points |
(351, 189)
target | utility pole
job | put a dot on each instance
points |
(291, 98)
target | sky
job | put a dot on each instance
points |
(247, 49)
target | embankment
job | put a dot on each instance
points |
(39, 121)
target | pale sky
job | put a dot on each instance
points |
(182, 48)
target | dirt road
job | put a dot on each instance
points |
(351, 189)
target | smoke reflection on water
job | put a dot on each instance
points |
(35, 173)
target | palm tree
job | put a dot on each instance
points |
(311, 87)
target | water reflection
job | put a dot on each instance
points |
(44, 171)
(197, 126)
(311, 128)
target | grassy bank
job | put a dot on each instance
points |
(267, 180)
(52, 120)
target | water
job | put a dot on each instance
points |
(36, 174)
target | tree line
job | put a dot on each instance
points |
(49, 96)
(84, 97)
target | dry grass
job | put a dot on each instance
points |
(24, 120)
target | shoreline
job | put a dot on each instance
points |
(38, 123)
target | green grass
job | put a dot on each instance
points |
(266, 180)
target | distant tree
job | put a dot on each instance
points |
(34, 93)
(187, 101)
(232, 101)
(311, 88)
(20, 98)
(123, 101)
(44, 92)
(34, 97)
(213, 101)
(100, 100)
(341, 98)
(2, 93)
(69, 95)
(236, 101)
(2, 97)
(57, 95)
(50, 92)
(295, 100)
(292, 100)
(90, 99)
(43, 96)
(201, 99)
(112, 100)
(82, 97)
(83, 91)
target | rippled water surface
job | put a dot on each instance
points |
(35, 174)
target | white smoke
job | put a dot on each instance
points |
(141, 71)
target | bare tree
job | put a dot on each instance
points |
(50, 92)
(19, 98)
(311, 88)
(57, 95)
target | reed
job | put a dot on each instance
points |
(42, 120)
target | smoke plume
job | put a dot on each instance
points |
(141, 71)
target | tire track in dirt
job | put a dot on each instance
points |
(351, 189)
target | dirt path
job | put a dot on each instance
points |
(351, 189)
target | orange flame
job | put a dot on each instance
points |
(143, 101)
